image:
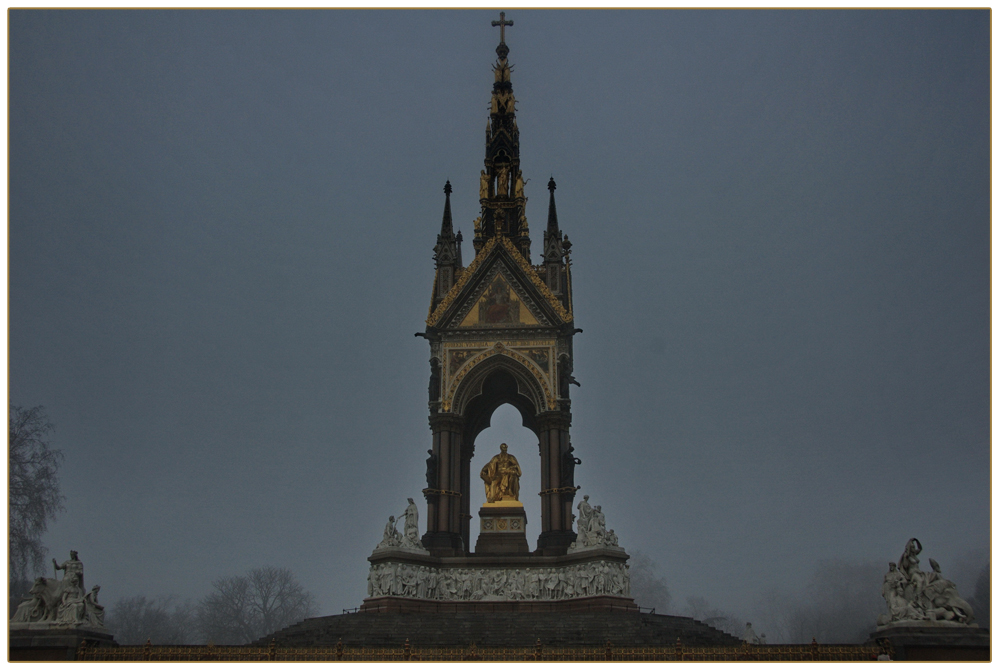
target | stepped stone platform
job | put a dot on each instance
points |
(500, 629)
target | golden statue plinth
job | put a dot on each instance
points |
(502, 520)
(504, 504)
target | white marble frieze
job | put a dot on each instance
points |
(594, 578)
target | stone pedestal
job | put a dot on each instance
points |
(502, 530)
(938, 641)
(47, 642)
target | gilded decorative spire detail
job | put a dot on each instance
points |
(501, 184)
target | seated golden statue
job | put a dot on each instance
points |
(502, 477)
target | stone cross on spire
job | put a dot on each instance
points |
(501, 23)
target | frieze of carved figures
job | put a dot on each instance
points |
(499, 584)
(61, 603)
(409, 540)
(591, 530)
(921, 598)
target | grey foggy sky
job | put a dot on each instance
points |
(221, 226)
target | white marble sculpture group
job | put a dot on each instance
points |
(61, 602)
(919, 598)
(591, 531)
(592, 578)
(409, 540)
(498, 584)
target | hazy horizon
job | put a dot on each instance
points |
(220, 246)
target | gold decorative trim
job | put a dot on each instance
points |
(543, 289)
(498, 348)
(449, 298)
(442, 492)
(558, 490)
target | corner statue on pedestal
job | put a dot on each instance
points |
(61, 603)
(914, 597)
(502, 477)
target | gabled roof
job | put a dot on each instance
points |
(480, 270)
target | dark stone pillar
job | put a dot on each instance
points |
(557, 492)
(465, 522)
(444, 502)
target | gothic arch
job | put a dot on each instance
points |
(497, 379)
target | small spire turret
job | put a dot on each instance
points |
(447, 251)
(551, 244)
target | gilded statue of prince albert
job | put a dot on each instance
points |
(502, 477)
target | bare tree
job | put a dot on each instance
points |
(242, 609)
(648, 589)
(33, 491)
(135, 620)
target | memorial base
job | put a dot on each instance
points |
(502, 531)
(943, 642)
(43, 642)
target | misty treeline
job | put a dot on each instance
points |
(839, 604)
(238, 610)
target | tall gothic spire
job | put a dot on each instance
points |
(501, 185)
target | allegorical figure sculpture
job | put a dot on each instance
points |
(95, 611)
(591, 528)
(390, 536)
(484, 184)
(503, 181)
(501, 477)
(569, 464)
(913, 596)
(411, 531)
(409, 540)
(32, 609)
(431, 470)
(72, 606)
(71, 566)
(61, 603)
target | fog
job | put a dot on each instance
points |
(220, 235)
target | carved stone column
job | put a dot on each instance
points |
(444, 502)
(557, 494)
